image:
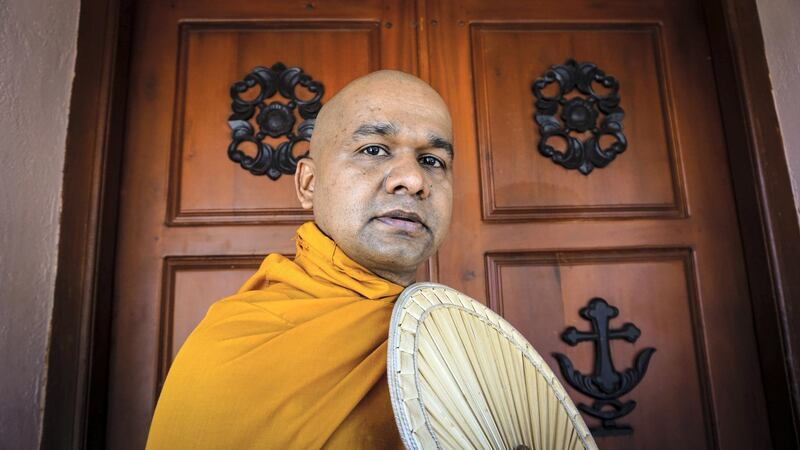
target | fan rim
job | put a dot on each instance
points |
(511, 334)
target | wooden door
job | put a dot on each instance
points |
(653, 233)
(194, 225)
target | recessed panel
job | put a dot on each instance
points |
(191, 286)
(542, 294)
(206, 186)
(519, 183)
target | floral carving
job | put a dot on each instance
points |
(274, 119)
(579, 114)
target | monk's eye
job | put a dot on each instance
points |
(374, 150)
(432, 161)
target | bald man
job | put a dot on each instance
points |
(297, 358)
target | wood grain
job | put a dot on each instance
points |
(542, 293)
(689, 108)
(517, 182)
(205, 186)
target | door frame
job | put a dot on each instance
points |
(77, 363)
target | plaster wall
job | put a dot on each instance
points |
(779, 25)
(38, 41)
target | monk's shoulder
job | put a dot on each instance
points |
(231, 326)
(245, 309)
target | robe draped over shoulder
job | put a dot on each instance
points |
(296, 359)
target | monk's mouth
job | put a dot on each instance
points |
(408, 222)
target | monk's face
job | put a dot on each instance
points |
(380, 174)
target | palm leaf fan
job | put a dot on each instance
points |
(461, 377)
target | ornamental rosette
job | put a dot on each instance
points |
(274, 119)
(559, 116)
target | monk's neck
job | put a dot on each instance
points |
(403, 279)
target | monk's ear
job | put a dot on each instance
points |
(304, 179)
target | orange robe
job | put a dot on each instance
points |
(295, 360)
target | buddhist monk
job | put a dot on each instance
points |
(297, 358)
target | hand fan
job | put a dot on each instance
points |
(461, 377)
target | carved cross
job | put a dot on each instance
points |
(600, 313)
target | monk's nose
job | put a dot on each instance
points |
(407, 176)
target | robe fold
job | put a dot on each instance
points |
(295, 360)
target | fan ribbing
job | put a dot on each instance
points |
(462, 377)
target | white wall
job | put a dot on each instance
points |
(780, 24)
(37, 58)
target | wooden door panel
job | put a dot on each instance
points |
(517, 182)
(542, 293)
(207, 187)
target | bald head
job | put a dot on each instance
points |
(379, 172)
(370, 95)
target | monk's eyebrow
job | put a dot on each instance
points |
(378, 128)
(389, 129)
(436, 141)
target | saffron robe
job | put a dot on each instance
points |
(296, 359)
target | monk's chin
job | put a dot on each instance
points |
(398, 253)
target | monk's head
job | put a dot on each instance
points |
(379, 173)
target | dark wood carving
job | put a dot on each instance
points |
(274, 119)
(579, 114)
(605, 385)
